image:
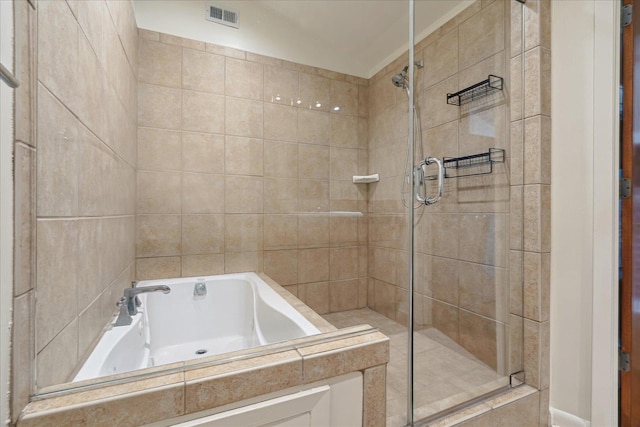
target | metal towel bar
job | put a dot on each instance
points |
(8, 77)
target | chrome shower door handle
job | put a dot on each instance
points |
(440, 177)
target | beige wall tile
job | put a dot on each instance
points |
(537, 222)
(280, 122)
(243, 233)
(243, 156)
(238, 262)
(482, 35)
(202, 265)
(313, 162)
(158, 268)
(280, 82)
(313, 265)
(483, 240)
(57, 67)
(434, 112)
(343, 231)
(244, 79)
(243, 194)
(516, 282)
(313, 231)
(280, 159)
(442, 59)
(483, 130)
(159, 149)
(159, 192)
(343, 163)
(243, 117)
(159, 107)
(24, 214)
(280, 195)
(537, 150)
(280, 232)
(313, 127)
(56, 361)
(516, 154)
(480, 336)
(22, 351)
(202, 71)
(315, 295)
(484, 290)
(282, 266)
(343, 263)
(344, 131)
(91, 248)
(158, 235)
(536, 353)
(444, 279)
(536, 284)
(57, 304)
(313, 195)
(202, 234)
(314, 89)
(537, 83)
(202, 193)
(57, 189)
(343, 295)
(160, 64)
(202, 112)
(202, 152)
(345, 96)
(226, 51)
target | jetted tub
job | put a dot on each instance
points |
(239, 311)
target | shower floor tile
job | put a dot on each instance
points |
(445, 374)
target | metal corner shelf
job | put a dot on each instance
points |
(475, 164)
(491, 84)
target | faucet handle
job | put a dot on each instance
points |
(122, 301)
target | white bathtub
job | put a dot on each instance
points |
(239, 311)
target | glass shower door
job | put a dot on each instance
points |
(467, 338)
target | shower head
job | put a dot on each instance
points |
(400, 79)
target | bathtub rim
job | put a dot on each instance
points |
(327, 333)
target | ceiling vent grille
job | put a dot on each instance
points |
(221, 15)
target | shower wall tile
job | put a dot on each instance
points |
(313, 127)
(24, 215)
(537, 221)
(159, 107)
(202, 234)
(55, 362)
(57, 154)
(243, 117)
(281, 195)
(537, 28)
(280, 82)
(203, 193)
(202, 71)
(536, 284)
(159, 192)
(158, 235)
(345, 96)
(282, 266)
(243, 233)
(443, 59)
(244, 79)
(202, 152)
(238, 262)
(313, 265)
(482, 35)
(444, 283)
(482, 130)
(344, 131)
(202, 265)
(484, 290)
(313, 90)
(536, 353)
(157, 267)
(280, 232)
(315, 295)
(280, 159)
(313, 162)
(280, 122)
(537, 152)
(244, 156)
(313, 230)
(57, 279)
(343, 295)
(516, 303)
(537, 85)
(434, 110)
(444, 317)
(159, 149)
(517, 103)
(160, 64)
(22, 349)
(242, 194)
(226, 51)
(343, 263)
(202, 112)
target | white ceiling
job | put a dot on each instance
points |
(356, 37)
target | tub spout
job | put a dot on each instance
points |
(129, 303)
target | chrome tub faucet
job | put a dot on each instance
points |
(130, 302)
